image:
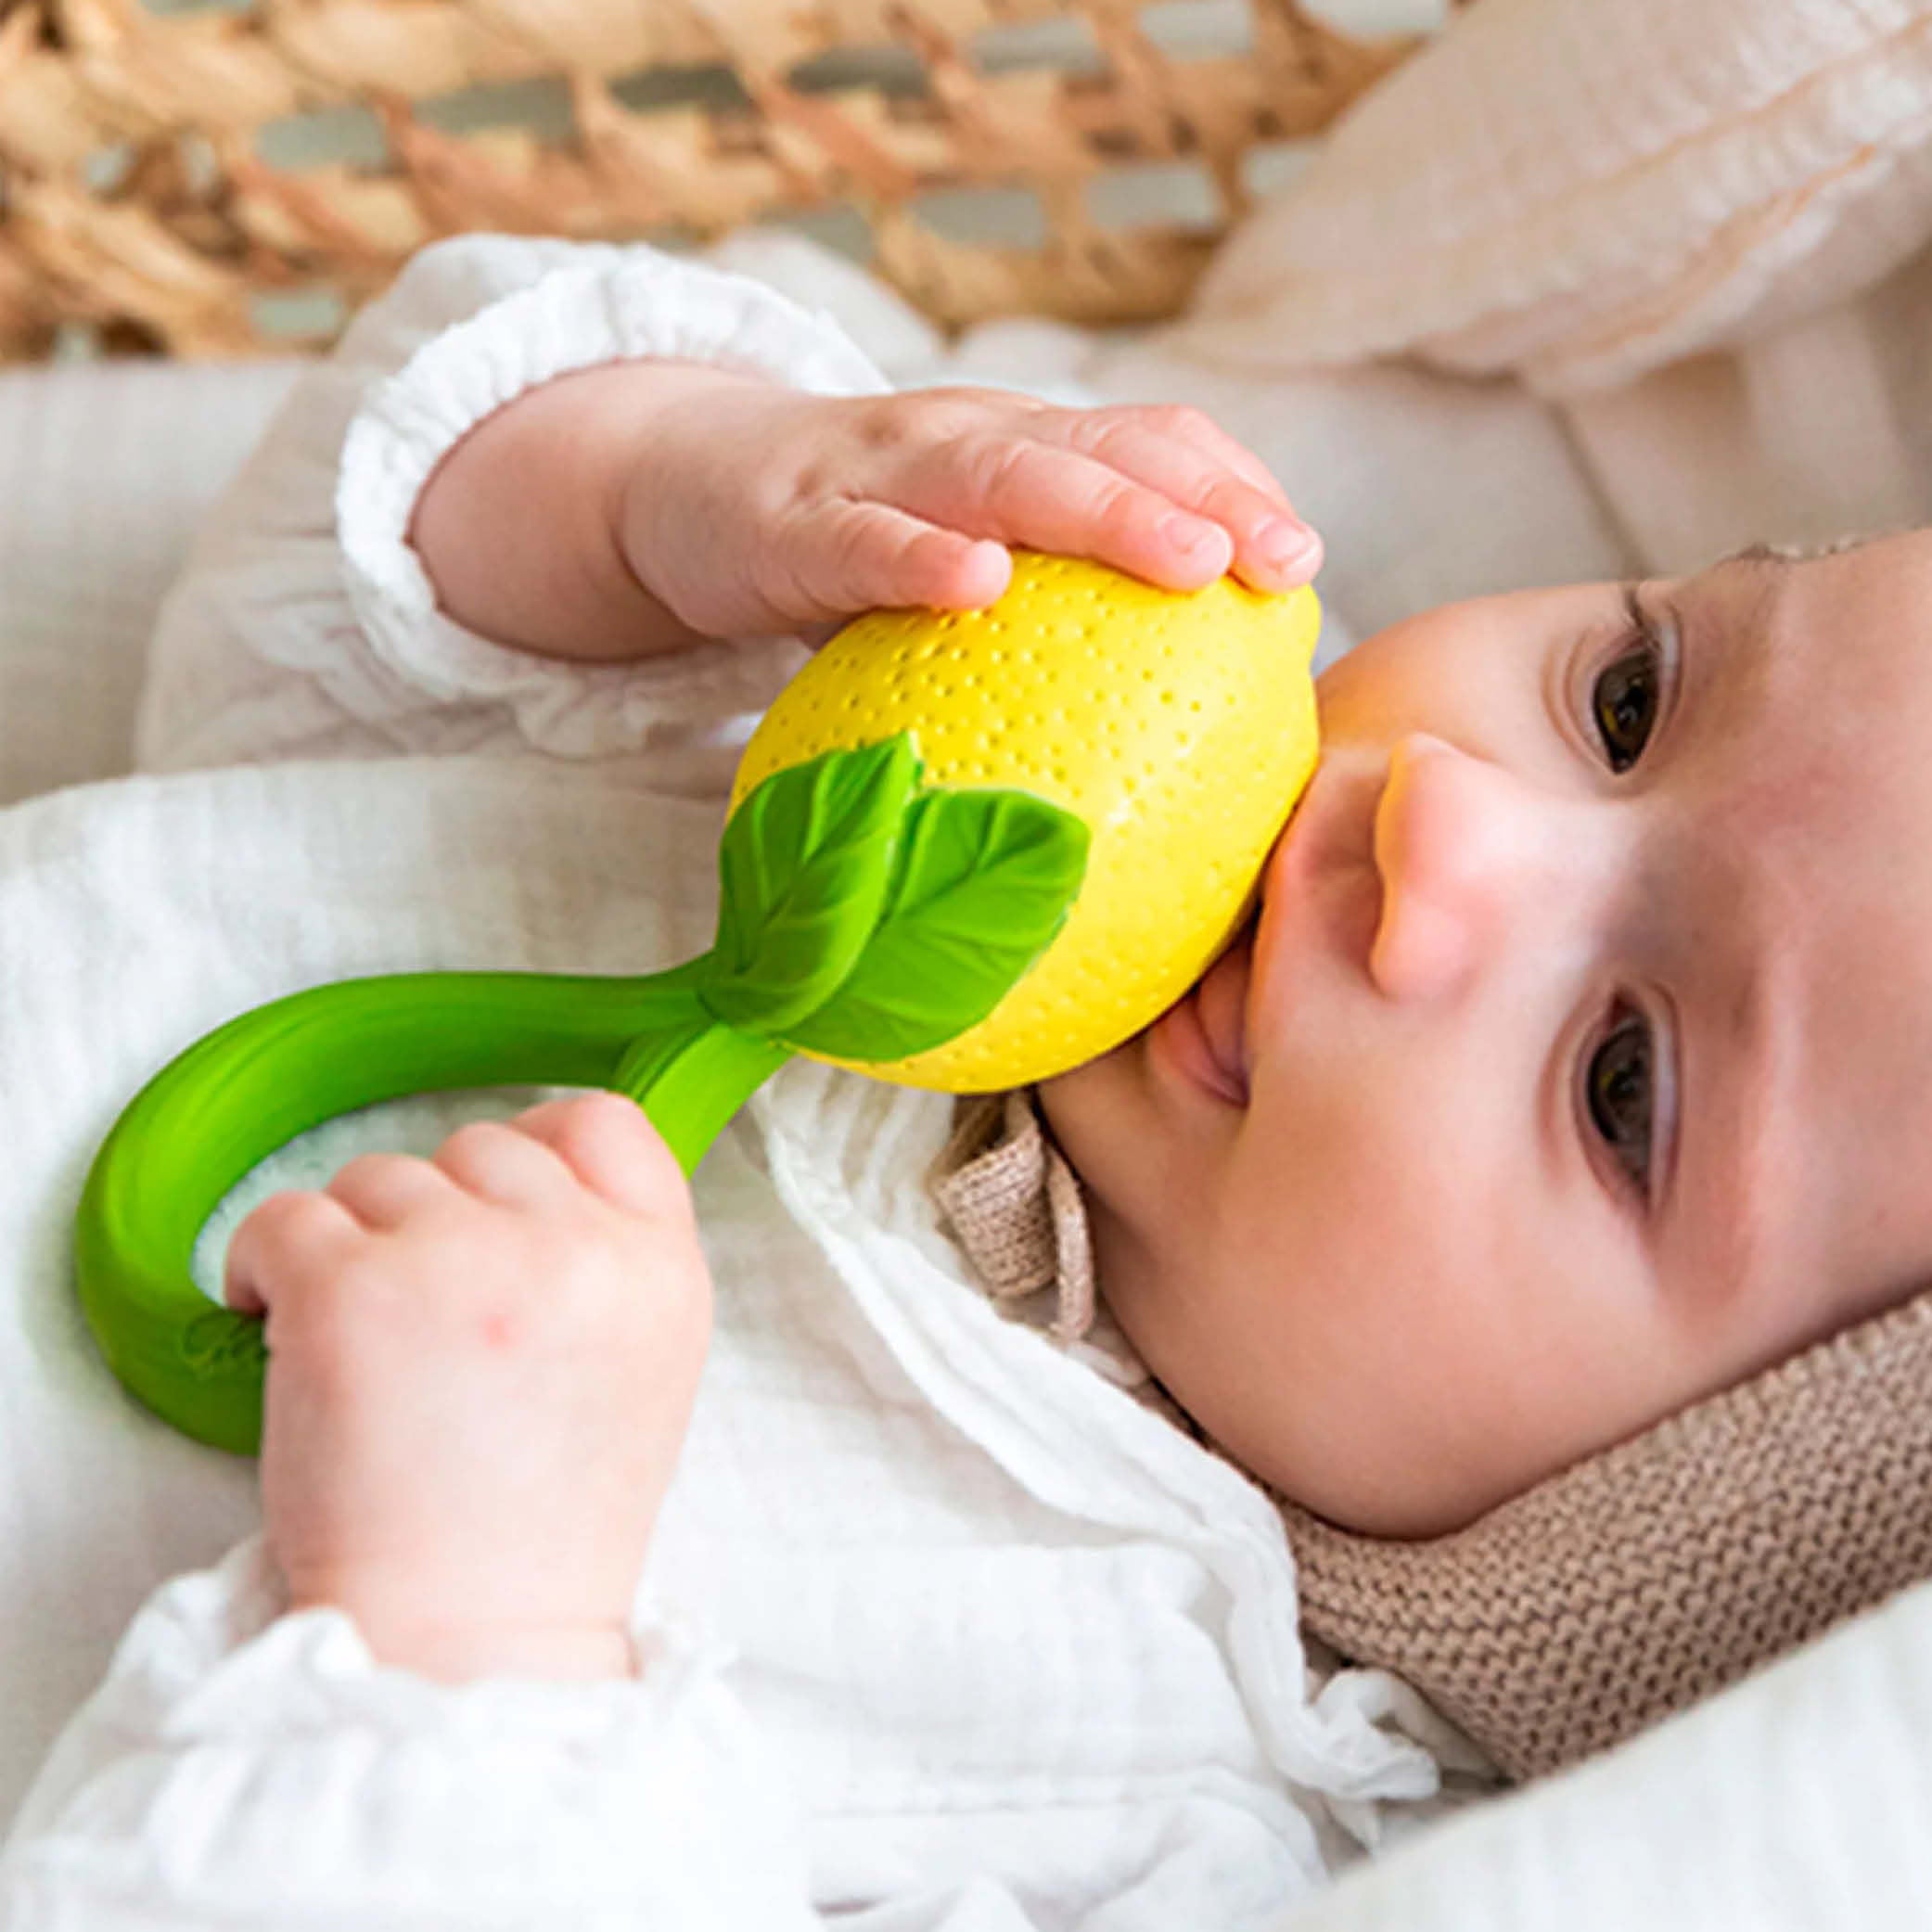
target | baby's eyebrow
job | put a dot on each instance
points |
(1760, 553)
(1778, 556)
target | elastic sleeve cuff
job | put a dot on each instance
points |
(216, 1656)
(237, 1759)
(608, 306)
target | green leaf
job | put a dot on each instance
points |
(985, 880)
(805, 868)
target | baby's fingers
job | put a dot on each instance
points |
(1022, 491)
(290, 1240)
(1197, 466)
(847, 556)
(1187, 424)
(611, 1147)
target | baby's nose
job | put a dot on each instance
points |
(1470, 856)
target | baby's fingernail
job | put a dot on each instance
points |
(1190, 535)
(1286, 543)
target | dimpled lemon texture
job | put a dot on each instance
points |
(1180, 725)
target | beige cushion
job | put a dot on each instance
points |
(1581, 190)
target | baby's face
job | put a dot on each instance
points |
(1579, 1064)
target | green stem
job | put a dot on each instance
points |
(693, 1082)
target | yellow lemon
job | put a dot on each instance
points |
(1180, 725)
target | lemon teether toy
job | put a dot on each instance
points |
(966, 851)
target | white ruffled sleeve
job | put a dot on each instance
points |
(245, 1771)
(305, 626)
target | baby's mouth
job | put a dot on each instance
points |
(1325, 839)
(1220, 1006)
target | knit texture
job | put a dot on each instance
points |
(1014, 1204)
(1628, 1586)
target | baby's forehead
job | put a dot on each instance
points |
(1806, 762)
(1829, 798)
(1814, 658)
(1886, 574)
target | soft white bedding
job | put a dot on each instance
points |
(104, 469)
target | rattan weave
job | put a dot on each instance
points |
(145, 195)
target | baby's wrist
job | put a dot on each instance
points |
(698, 515)
(523, 529)
(586, 1654)
(698, 401)
(459, 1651)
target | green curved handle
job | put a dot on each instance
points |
(231, 1100)
(860, 917)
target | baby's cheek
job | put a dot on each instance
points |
(1345, 1358)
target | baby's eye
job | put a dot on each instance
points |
(1624, 697)
(1619, 1087)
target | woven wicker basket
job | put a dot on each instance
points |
(147, 197)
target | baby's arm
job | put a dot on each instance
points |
(641, 506)
(451, 429)
(482, 1373)
(304, 625)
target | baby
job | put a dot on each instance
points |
(1569, 1075)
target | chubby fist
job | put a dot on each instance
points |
(481, 1371)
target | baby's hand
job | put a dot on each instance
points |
(481, 1371)
(755, 508)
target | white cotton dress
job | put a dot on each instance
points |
(942, 1626)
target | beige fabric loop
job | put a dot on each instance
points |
(1015, 1205)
